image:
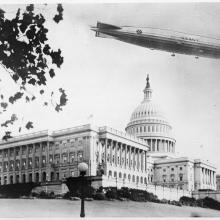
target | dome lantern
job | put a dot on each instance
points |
(147, 90)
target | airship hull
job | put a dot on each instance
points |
(164, 42)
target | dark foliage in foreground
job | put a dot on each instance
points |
(29, 60)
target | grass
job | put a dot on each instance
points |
(65, 208)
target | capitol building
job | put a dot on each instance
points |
(142, 156)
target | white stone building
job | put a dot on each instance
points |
(164, 167)
(144, 156)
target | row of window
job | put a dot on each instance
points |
(129, 177)
(172, 178)
(29, 149)
(150, 128)
(57, 158)
(23, 150)
(23, 179)
(139, 114)
(172, 169)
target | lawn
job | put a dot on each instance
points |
(65, 208)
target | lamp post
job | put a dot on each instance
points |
(83, 167)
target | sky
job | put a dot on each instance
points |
(105, 78)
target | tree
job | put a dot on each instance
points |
(29, 61)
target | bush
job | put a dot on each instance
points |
(34, 194)
(200, 203)
(164, 201)
(67, 195)
(43, 195)
(111, 193)
(124, 192)
(99, 196)
(211, 203)
(188, 201)
(52, 195)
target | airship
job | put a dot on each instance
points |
(161, 39)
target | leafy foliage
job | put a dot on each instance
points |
(10, 121)
(29, 125)
(28, 58)
(6, 136)
(57, 18)
(63, 100)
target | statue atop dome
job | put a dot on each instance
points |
(148, 83)
(147, 90)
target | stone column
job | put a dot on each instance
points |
(206, 180)
(138, 159)
(106, 143)
(134, 158)
(33, 163)
(142, 160)
(145, 163)
(120, 147)
(20, 176)
(116, 153)
(129, 157)
(14, 158)
(111, 149)
(125, 166)
(40, 161)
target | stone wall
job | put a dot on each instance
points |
(213, 194)
(57, 189)
(168, 193)
(160, 191)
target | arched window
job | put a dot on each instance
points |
(119, 174)
(151, 178)
(124, 175)
(115, 174)
(23, 178)
(129, 177)
(52, 176)
(37, 177)
(145, 180)
(133, 178)
(137, 179)
(11, 179)
(110, 173)
(141, 180)
(140, 129)
(30, 177)
(17, 178)
(44, 176)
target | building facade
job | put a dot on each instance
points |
(165, 168)
(143, 156)
(53, 156)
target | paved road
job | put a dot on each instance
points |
(64, 208)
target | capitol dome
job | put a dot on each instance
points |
(149, 123)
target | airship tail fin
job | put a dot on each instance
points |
(106, 26)
(99, 34)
